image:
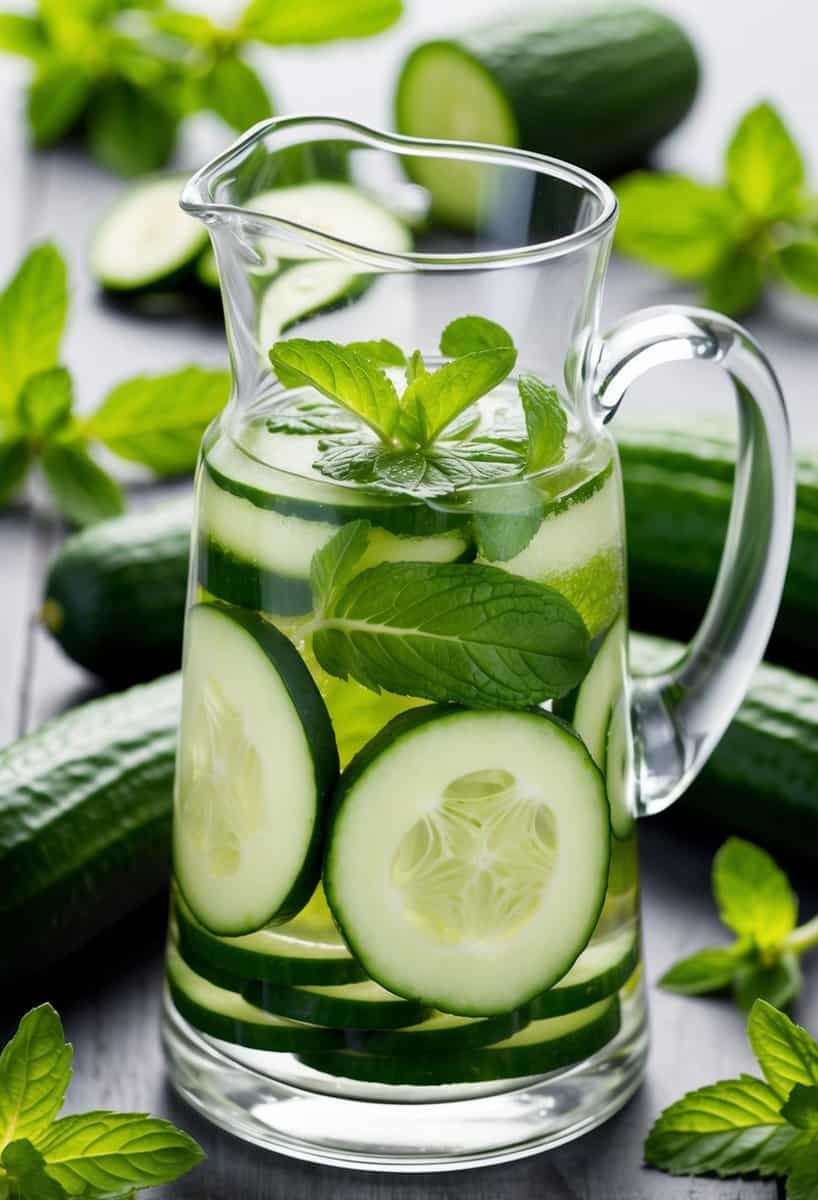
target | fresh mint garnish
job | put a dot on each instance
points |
(756, 901)
(506, 520)
(434, 399)
(33, 309)
(310, 415)
(470, 335)
(383, 352)
(450, 632)
(756, 226)
(545, 421)
(95, 1155)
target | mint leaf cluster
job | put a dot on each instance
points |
(750, 1126)
(759, 224)
(126, 73)
(96, 1155)
(755, 900)
(153, 420)
(417, 441)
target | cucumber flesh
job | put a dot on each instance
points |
(302, 291)
(363, 1005)
(248, 818)
(619, 769)
(337, 209)
(599, 692)
(467, 856)
(307, 949)
(602, 968)
(441, 1033)
(145, 239)
(226, 1015)
(540, 1047)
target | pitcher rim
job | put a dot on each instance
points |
(196, 199)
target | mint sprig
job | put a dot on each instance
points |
(758, 225)
(94, 1155)
(756, 901)
(156, 421)
(750, 1126)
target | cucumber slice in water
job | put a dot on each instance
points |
(337, 209)
(619, 769)
(350, 1006)
(540, 1047)
(601, 969)
(599, 692)
(145, 240)
(441, 1033)
(257, 758)
(226, 1015)
(467, 856)
(307, 949)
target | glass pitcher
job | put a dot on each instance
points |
(405, 918)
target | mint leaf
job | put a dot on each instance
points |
(415, 367)
(348, 458)
(310, 415)
(706, 971)
(753, 894)
(425, 473)
(765, 171)
(233, 90)
(32, 316)
(26, 1174)
(786, 1052)
(35, 1070)
(451, 632)
(546, 422)
(778, 983)
(100, 1153)
(469, 335)
(21, 35)
(57, 98)
(382, 352)
(129, 130)
(15, 459)
(506, 520)
(348, 378)
(333, 565)
(801, 1109)
(158, 420)
(802, 1181)
(83, 491)
(673, 223)
(433, 400)
(44, 403)
(736, 284)
(730, 1128)
(316, 20)
(798, 264)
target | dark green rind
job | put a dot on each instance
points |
(115, 594)
(678, 490)
(401, 726)
(561, 1000)
(599, 87)
(206, 951)
(421, 1041)
(479, 1065)
(236, 581)
(301, 1004)
(85, 821)
(312, 712)
(411, 520)
(248, 1034)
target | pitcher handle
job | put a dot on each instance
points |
(680, 714)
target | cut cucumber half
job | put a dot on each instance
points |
(599, 692)
(337, 209)
(601, 969)
(257, 759)
(348, 1006)
(226, 1015)
(540, 1047)
(441, 1033)
(145, 240)
(307, 949)
(467, 856)
(303, 291)
(619, 769)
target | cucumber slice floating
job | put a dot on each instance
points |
(363, 1005)
(619, 769)
(599, 692)
(337, 209)
(541, 1046)
(467, 856)
(307, 949)
(257, 758)
(226, 1015)
(601, 969)
(145, 240)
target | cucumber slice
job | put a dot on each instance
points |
(337, 209)
(467, 856)
(601, 969)
(257, 757)
(145, 240)
(307, 949)
(441, 1033)
(599, 691)
(303, 291)
(363, 1005)
(619, 769)
(540, 1047)
(226, 1015)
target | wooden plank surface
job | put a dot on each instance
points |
(110, 999)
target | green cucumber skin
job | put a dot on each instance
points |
(248, 586)
(478, 1065)
(300, 1004)
(678, 490)
(599, 88)
(85, 823)
(481, 1032)
(114, 595)
(558, 1001)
